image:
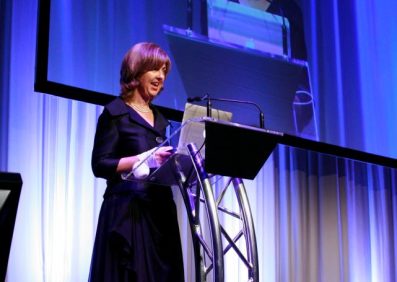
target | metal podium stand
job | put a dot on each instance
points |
(196, 190)
(196, 176)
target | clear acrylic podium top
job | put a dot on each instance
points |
(179, 163)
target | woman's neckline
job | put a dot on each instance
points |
(142, 109)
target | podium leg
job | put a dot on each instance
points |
(204, 223)
(249, 230)
(208, 233)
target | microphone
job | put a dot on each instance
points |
(208, 99)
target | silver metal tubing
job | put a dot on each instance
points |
(206, 228)
(212, 215)
(249, 230)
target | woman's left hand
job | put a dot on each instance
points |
(162, 154)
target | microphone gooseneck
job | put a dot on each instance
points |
(207, 98)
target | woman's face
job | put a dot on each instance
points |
(151, 83)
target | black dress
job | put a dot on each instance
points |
(137, 236)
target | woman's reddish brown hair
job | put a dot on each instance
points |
(141, 58)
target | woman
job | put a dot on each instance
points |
(137, 235)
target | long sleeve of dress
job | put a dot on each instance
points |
(104, 159)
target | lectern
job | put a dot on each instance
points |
(232, 152)
(228, 158)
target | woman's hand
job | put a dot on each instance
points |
(162, 154)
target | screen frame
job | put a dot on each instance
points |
(43, 85)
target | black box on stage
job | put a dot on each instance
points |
(10, 191)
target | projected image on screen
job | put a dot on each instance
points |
(278, 85)
(81, 46)
(88, 39)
